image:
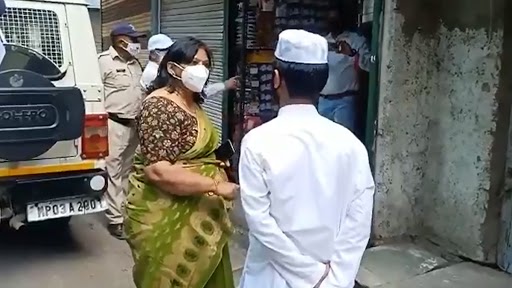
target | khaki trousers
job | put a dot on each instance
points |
(122, 142)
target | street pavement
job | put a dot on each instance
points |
(86, 256)
(416, 265)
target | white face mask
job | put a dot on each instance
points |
(194, 77)
(132, 48)
(149, 74)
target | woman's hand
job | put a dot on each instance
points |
(227, 190)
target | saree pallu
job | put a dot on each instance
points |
(179, 241)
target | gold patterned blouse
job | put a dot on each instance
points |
(165, 130)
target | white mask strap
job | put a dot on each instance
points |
(171, 72)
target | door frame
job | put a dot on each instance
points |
(372, 109)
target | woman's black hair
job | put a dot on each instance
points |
(182, 51)
(303, 80)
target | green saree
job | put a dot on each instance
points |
(180, 241)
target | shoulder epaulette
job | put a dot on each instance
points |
(104, 53)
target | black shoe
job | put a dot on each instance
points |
(117, 230)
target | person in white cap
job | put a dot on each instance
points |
(306, 184)
(157, 46)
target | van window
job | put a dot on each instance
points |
(37, 29)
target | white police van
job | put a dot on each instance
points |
(53, 126)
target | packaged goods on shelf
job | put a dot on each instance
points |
(258, 24)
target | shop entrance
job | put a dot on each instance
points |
(254, 27)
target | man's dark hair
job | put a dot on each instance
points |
(303, 80)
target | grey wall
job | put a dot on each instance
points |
(443, 123)
(95, 16)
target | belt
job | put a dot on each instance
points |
(340, 95)
(123, 121)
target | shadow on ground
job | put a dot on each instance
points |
(82, 255)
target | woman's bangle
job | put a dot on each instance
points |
(215, 191)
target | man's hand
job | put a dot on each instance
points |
(326, 273)
(232, 83)
(345, 48)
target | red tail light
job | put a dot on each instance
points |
(95, 136)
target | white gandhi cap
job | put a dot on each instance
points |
(300, 46)
(159, 42)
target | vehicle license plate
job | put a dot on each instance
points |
(64, 208)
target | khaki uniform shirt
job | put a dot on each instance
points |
(123, 94)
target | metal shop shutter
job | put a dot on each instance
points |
(136, 12)
(203, 19)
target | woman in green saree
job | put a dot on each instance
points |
(177, 221)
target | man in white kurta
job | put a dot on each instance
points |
(306, 185)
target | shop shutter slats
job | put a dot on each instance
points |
(136, 12)
(203, 19)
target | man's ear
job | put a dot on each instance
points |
(118, 42)
(277, 79)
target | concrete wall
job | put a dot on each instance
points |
(443, 123)
(95, 16)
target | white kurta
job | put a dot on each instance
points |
(307, 192)
(342, 73)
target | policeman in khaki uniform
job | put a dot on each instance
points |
(121, 72)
